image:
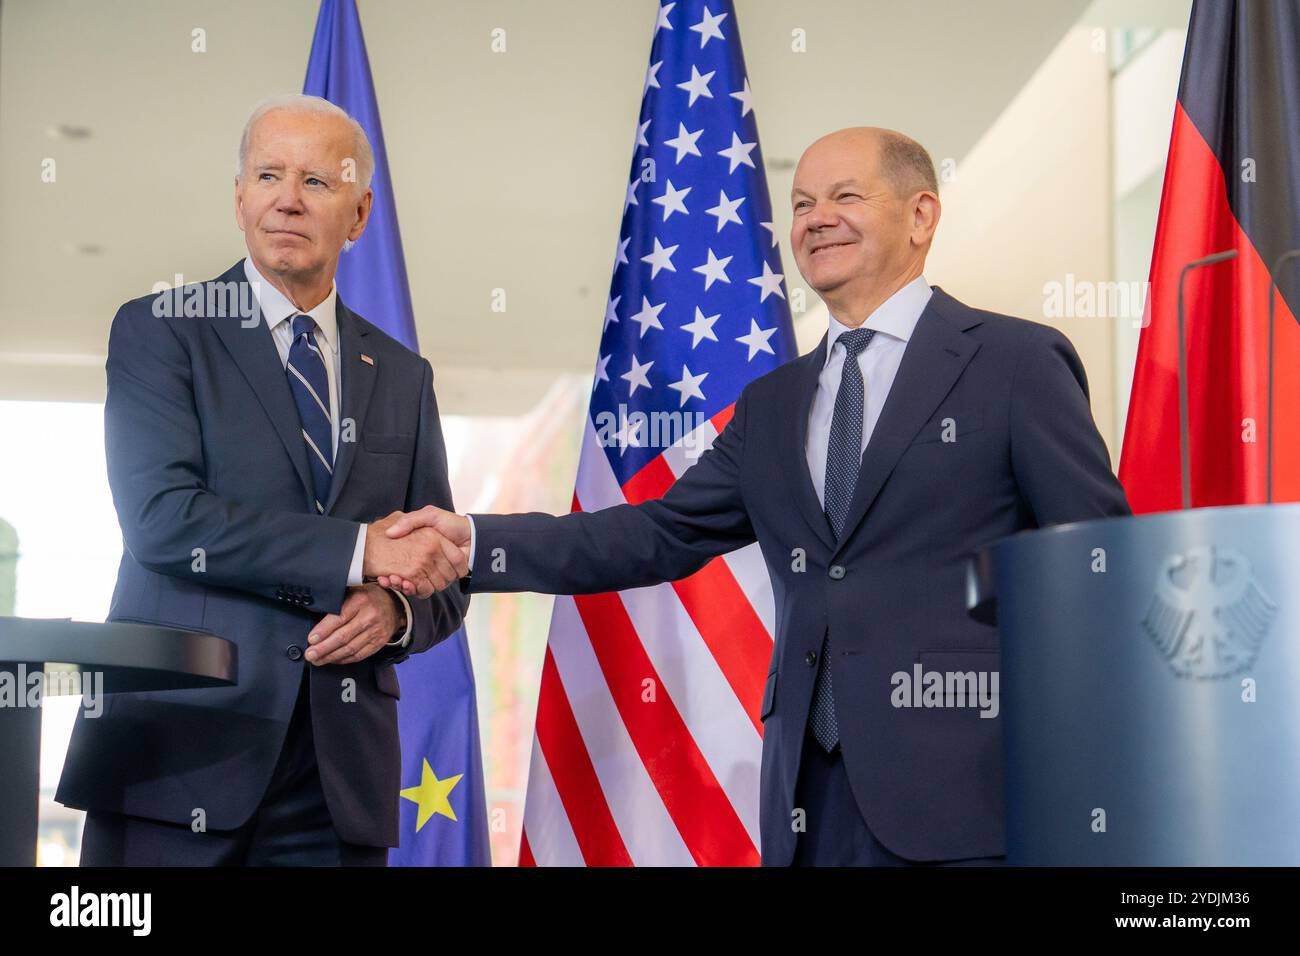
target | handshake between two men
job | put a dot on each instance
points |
(419, 553)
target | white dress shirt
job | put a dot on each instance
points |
(894, 322)
(277, 311)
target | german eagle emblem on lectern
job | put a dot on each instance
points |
(1208, 614)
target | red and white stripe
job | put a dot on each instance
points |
(648, 740)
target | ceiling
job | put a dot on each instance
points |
(509, 168)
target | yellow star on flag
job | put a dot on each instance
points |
(431, 796)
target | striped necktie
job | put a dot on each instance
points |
(309, 384)
(843, 460)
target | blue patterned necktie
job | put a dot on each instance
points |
(310, 387)
(843, 459)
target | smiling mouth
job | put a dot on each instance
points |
(834, 245)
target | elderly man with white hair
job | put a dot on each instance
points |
(255, 429)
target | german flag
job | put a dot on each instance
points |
(1232, 182)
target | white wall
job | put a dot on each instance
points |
(1031, 204)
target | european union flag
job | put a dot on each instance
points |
(444, 813)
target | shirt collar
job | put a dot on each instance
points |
(896, 316)
(276, 308)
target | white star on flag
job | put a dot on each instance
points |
(636, 375)
(725, 210)
(769, 282)
(620, 254)
(746, 99)
(715, 270)
(640, 134)
(708, 27)
(602, 369)
(629, 436)
(661, 258)
(701, 327)
(666, 9)
(630, 199)
(671, 200)
(648, 317)
(697, 85)
(611, 315)
(684, 142)
(738, 153)
(771, 229)
(757, 340)
(652, 78)
(689, 386)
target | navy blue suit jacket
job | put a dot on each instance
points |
(890, 592)
(205, 451)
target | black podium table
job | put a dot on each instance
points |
(105, 658)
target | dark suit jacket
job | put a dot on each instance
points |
(205, 450)
(891, 591)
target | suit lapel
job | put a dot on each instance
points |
(808, 370)
(936, 355)
(356, 383)
(254, 352)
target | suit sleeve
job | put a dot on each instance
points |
(436, 618)
(702, 516)
(171, 522)
(1059, 459)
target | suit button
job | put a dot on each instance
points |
(293, 652)
(836, 572)
(810, 658)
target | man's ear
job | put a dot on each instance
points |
(239, 207)
(364, 205)
(925, 217)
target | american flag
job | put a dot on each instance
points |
(648, 735)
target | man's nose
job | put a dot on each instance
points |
(822, 215)
(288, 198)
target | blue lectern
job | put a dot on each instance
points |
(1150, 687)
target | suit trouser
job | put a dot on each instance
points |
(290, 827)
(836, 834)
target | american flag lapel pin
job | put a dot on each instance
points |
(367, 359)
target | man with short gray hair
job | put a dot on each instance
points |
(255, 429)
(917, 432)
